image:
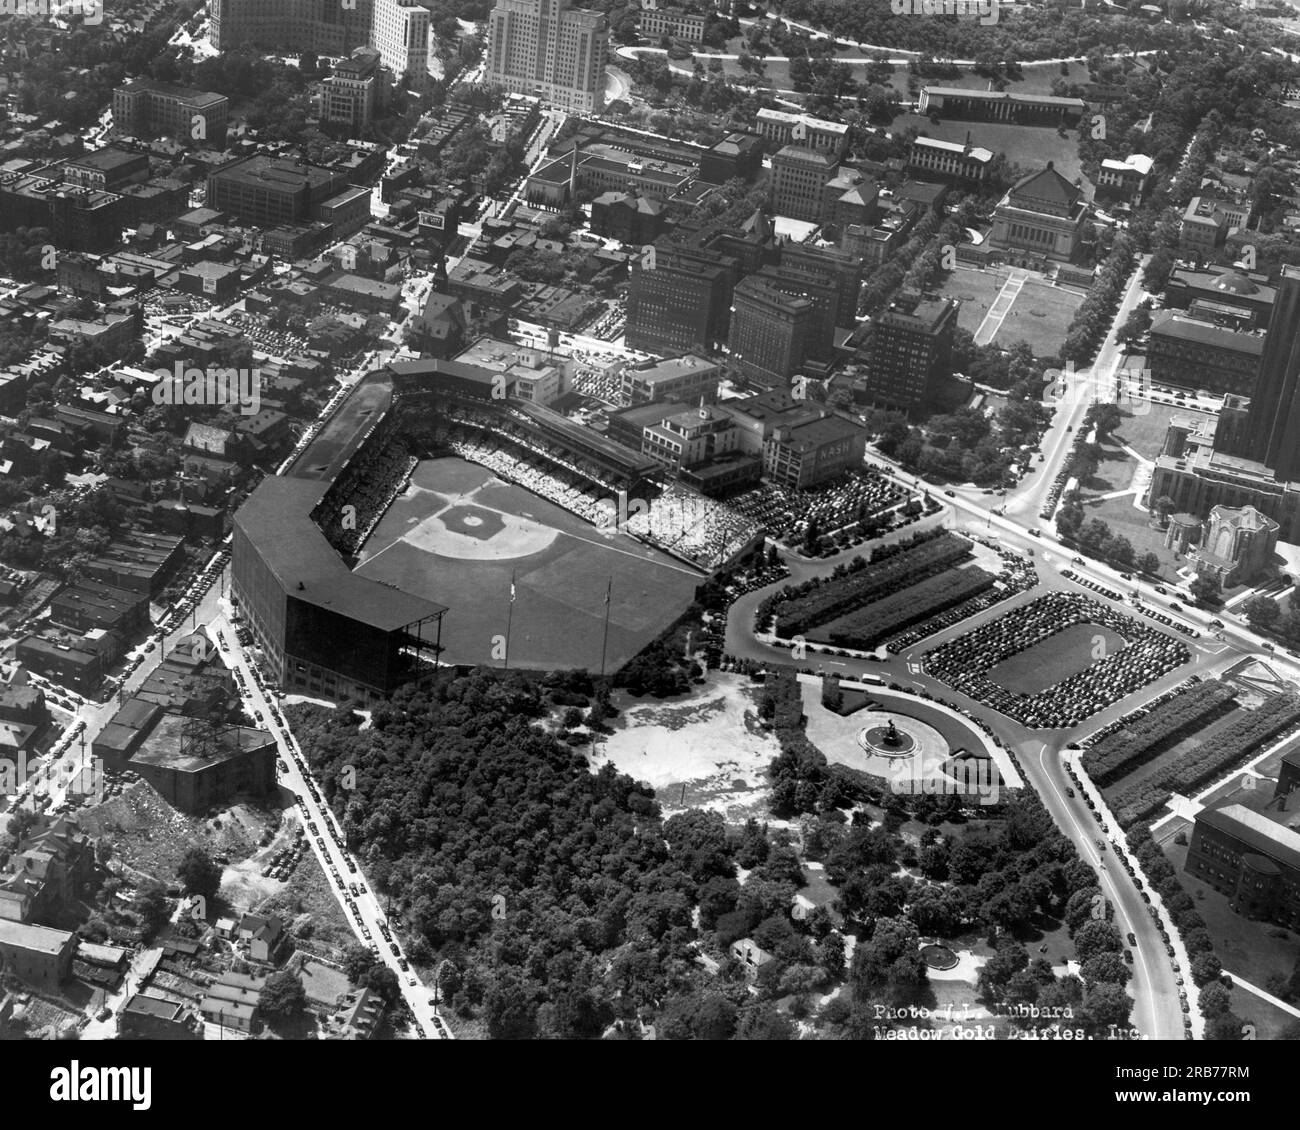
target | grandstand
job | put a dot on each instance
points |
(325, 628)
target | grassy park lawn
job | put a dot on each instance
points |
(1145, 425)
(1030, 147)
(1056, 658)
(1040, 316)
(1165, 762)
(975, 290)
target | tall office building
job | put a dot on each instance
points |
(399, 31)
(547, 49)
(798, 183)
(846, 269)
(1274, 437)
(296, 25)
(911, 350)
(772, 332)
(682, 305)
(354, 90)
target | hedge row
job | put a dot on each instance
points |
(1230, 745)
(1144, 738)
(844, 594)
(865, 628)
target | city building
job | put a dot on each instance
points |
(106, 170)
(1288, 775)
(145, 107)
(266, 191)
(947, 159)
(910, 351)
(798, 182)
(399, 31)
(1126, 180)
(148, 1016)
(687, 379)
(1231, 298)
(736, 155)
(196, 767)
(550, 50)
(840, 266)
(999, 106)
(808, 454)
(1190, 353)
(686, 439)
(36, 954)
(354, 90)
(628, 217)
(1250, 859)
(655, 23)
(291, 25)
(78, 218)
(772, 332)
(682, 304)
(1237, 544)
(1206, 223)
(538, 376)
(1248, 455)
(232, 1002)
(1040, 218)
(778, 129)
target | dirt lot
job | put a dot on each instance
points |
(152, 837)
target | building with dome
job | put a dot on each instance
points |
(1188, 352)
(1234, 299)
(1236, 545)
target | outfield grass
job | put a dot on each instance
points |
(559, 612)
(1056, 658)
(1040, 317)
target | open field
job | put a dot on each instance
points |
(975, 290)
(460, 536)
(1040, 317)
(1124, 518)
(1037, 78)
(1030, 147)
(1144, 430)
(1056, 658)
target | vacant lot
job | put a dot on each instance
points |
(1056, 658)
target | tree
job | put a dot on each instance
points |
(1096, 936)
(1107, 1004)
(1263, 612)
(1206, 589)
(1149, 563)
(358, 960)
(283, 997)
(1105, 967)
(1164, 507)
(151, 907)
(199, 874)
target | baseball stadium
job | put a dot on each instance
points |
(438, 519)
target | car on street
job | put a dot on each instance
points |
(951, 493)
(1132, 938)
(1069, 791)
(1216, 624)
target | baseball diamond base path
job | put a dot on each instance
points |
(458, 535)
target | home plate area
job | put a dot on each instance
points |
(472, 532)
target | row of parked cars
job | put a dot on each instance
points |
(282, 863)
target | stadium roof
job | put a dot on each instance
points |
(276, 518)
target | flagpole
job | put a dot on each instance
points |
(604, 643)
(510, 615)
